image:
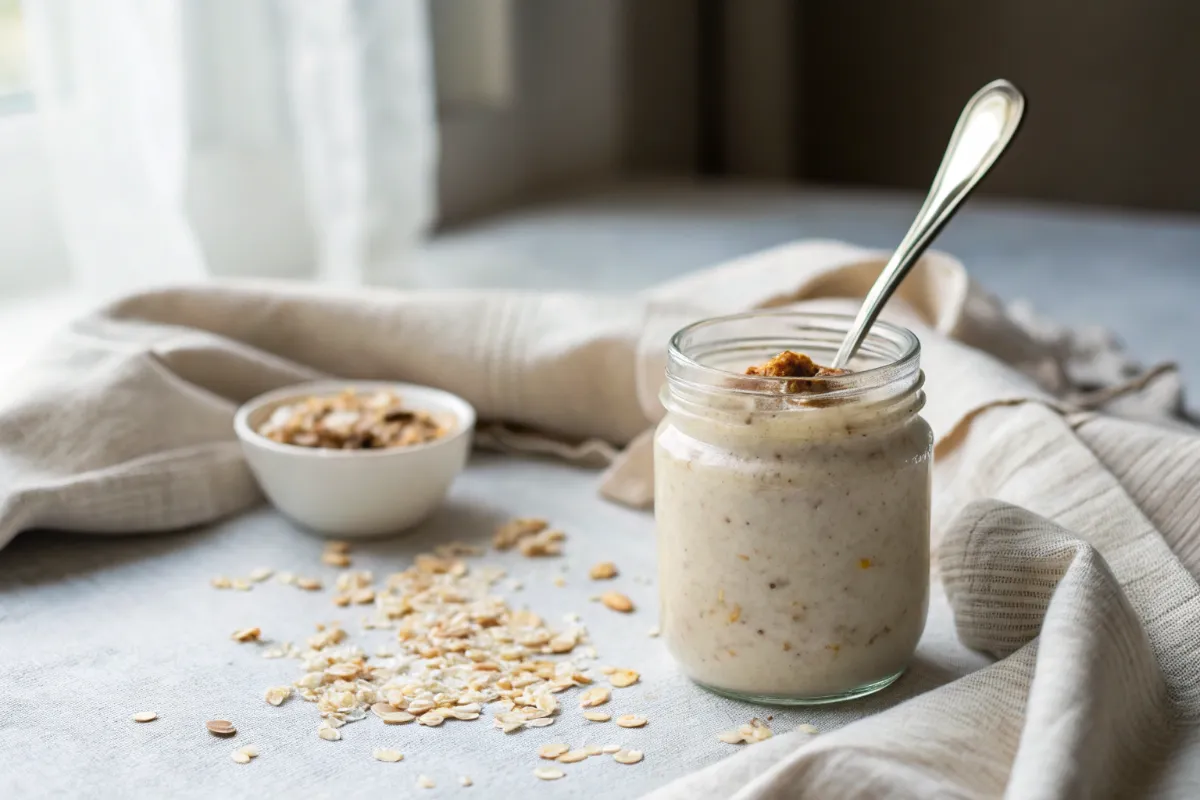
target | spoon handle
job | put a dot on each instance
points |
(987, 124)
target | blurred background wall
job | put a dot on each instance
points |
(865, 93)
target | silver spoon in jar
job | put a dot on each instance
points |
(987, 124)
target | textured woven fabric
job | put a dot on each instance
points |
(1066, 525)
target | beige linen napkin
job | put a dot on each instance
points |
(1066, 504)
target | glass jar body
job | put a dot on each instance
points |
(793, 542)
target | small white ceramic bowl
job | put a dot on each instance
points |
(357, 492)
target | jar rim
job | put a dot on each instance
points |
(902, 360)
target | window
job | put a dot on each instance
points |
(15, 95)
(32, 253)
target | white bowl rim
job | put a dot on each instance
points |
(463, 412)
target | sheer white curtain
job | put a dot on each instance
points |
(235, 137)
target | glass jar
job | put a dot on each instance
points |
(793, 520)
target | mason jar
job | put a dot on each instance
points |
(792, 514)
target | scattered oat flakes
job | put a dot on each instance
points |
(220, 727)
(735, 614)
(593, 749)
(335, 559)
(511, 532)
(277, 694)
(240, 757)
(754, 731)
(260, 574)
(309, 584)
(804, 727)
(627, 756)
(387, 754)
(552, 751)
(145, 716)
(286, 577)
(246, 635)
(572, 756)
(241, 584)
(221, 582)
(548, 773)
(341, 600)
(617, 602)
(603, 571)
(610, 748)
(560, 581)
(546, 543)
(328, 733)
(631, 721)
(622, 678)
(544, 722)
(363, 596)
(425, 782)
(596, 716)
(596, 696)
(465, 781)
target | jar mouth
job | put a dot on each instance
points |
(714, 353)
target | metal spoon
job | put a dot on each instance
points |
(987, 124)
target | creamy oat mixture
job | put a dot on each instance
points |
(793, 547)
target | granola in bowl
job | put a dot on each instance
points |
(353, 421)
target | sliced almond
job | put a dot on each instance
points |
(552, 751)
(548, 773)
(595, 696)
(596, 716)
(631, 721)
(145, 716)
(572, 757)
(387, 754)
(220, 727)
(246, 635)
(617, 602)
(628, 756)
(603, 571)
(335, 559)
(624, 677)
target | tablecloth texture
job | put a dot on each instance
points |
(1067, 532)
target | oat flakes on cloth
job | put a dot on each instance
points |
(1067, 514)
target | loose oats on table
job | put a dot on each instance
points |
(617, 602)
(145, 716)
(631, 720)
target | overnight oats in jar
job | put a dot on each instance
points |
(792, 507)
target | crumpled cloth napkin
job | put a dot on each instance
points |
(1067, 514)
